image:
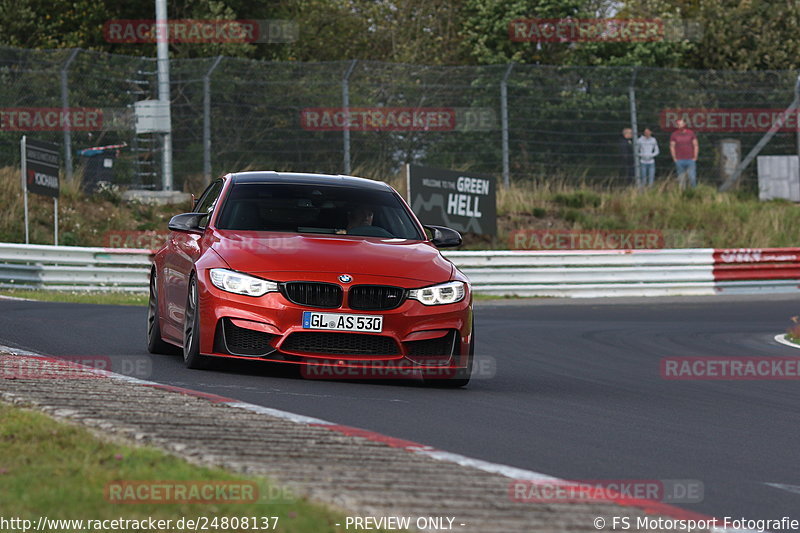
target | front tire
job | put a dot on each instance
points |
(155, 344)
(191, 330)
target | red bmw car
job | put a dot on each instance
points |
(314, 270)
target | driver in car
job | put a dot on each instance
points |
(359, 217)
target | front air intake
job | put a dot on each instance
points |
(243, 341)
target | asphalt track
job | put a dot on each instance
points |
(577, 391)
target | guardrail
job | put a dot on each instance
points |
(600, 273)
(572, 273)
(36, 266)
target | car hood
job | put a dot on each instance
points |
(264, 253)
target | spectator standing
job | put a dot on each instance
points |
(684, 149)
(626, 154)
(647, 145)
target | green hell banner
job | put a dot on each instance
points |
(464, 201)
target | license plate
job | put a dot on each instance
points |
(341, 322)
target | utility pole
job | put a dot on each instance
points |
(162, 46)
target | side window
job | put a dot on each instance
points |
(208, 200)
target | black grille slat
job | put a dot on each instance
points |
(243, 341)
(312, 294)
(375, 297)
(340, 344)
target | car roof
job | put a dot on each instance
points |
(307, 179)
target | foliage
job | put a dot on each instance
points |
(735, 34)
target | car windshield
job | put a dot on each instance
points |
(314, 208)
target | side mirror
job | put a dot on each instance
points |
(444, 237)
(187, 222)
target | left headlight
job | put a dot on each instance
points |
(444, 293)
(238, 283)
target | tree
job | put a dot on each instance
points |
(486, 37)
(747, 35)
(735, 34)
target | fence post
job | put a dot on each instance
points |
(776, 125)
(207, 121)
(635, 130)
(504, 124)
(346, 109)
(65, 112)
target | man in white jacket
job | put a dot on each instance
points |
(648, 150)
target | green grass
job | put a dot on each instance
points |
(54, 469)
(106, 298)
(482, 297)
(490, 297)
(700, 217)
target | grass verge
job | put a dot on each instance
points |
(105, 298)
(699, 217)
(56, 470)
(84, 220)
(488, 297)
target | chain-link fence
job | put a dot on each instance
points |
(516, 122)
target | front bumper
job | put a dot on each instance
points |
(270, 328)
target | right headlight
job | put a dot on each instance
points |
(238, 283)
(444, 293)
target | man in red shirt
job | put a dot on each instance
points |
(684, 149)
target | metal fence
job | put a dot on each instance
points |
(513, 121)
